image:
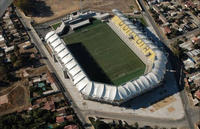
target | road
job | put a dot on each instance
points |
(4, 5)
(195, 31)
(192, 115)
(38, 43)
(81, 113)
(156, 28)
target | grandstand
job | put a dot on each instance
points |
(154, 59)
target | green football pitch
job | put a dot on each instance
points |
(103, 55)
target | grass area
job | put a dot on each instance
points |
(103, 55)
(56, 25)
(140, 19)
(143, 21)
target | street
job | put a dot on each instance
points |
(4, 5)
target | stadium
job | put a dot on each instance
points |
(110, 61)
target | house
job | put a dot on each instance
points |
(34, 106)
(186, 45)
(189, 63)
(196, 76)
(196, 39)
(2, 41)
(50, 78)
(189, 4)
(69, 117)
(167, 30)
(49, 105)
(194, 55)
(162, 18)
(61, 111)
(186, 82)
(173, 14)
(3, 99)
(155, 8)
(71, 127)
(60, 119)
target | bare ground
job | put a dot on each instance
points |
(60, 8)
(18, 99)
(18, 93)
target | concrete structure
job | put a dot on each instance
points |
(79, 23)
(102, 16)
(61, 28)
(106, 92)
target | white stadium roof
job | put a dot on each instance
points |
(107, 92)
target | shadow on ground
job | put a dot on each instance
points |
(87, 62)
(171, 85)
(38, 8)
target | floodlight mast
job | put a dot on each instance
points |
(80, 5)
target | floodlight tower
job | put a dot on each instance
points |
(80, 5)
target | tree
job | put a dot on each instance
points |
(16, 50)
(18, 63)
(101, 125)
(171, 20)
(13, 58)
(196, 46)
(136, 125)
(3, 73)
(24, 5)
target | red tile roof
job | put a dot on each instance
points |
(60, 119)
(71, 127)
(167, 30)
(61, 110)
(69, 117)
(50, 78)
(49, 105)
(189, 4)
(3, 99)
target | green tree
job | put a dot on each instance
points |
(24, 5)
(3, 73)
(18, 63)
(101, 125)
(136, 125)
(13, 58)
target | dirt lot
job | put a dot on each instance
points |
(18, 93)
(18, 99)
(57, 8)
(38, 71)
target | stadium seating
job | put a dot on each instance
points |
(142, 46)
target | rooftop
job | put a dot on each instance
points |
(3, 99)
(60, 119)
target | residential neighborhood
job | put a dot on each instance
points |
(175, 18)
(32, 91)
